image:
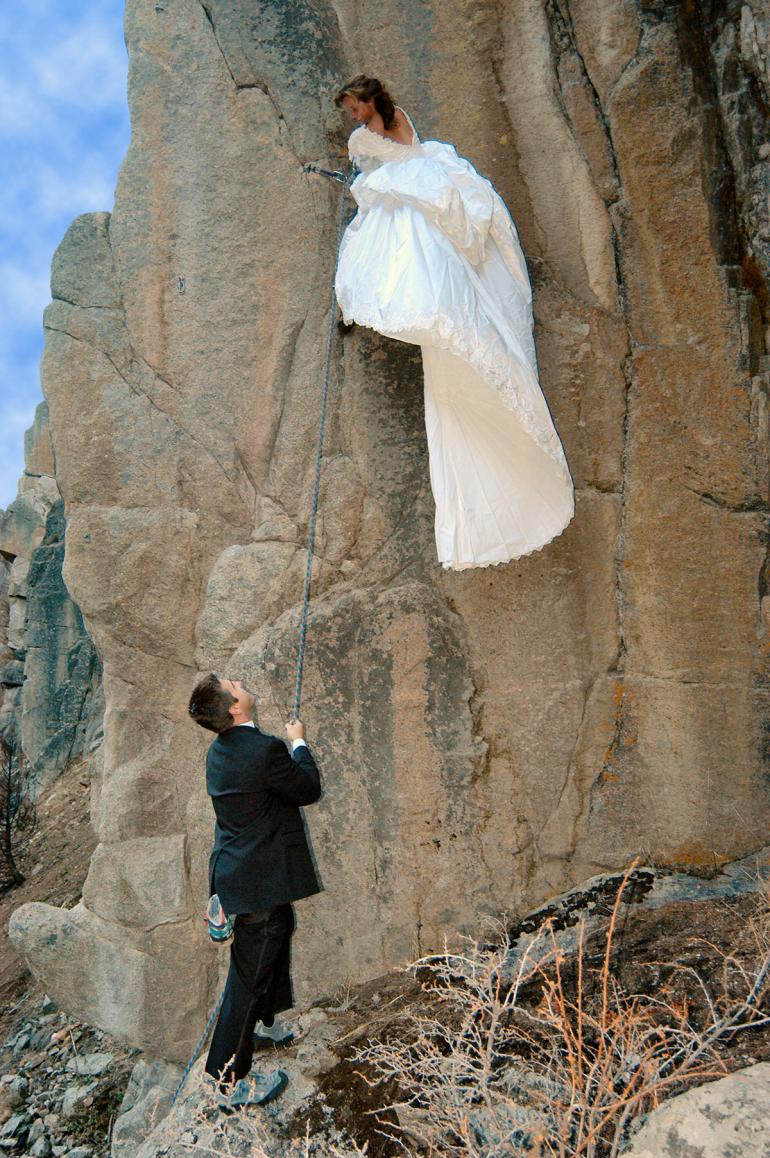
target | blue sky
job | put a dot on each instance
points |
(63, 133)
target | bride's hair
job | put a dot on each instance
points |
(367, 88)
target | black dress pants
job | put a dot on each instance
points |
(258, 986)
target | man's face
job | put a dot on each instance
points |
(245, 699)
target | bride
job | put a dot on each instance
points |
(433, 257)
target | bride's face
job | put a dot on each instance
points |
(359, 110)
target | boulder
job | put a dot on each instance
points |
(145, 1103)
(90, 1065)
(142, 882)
(728, 1116)
(130, 989)
(41, 1147)
(14, 1125)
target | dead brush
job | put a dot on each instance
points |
(566, 1073)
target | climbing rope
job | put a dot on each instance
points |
(199, 1047)
(342, 179)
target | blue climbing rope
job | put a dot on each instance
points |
(342, 179)
(199, 1047)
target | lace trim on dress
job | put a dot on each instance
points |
(501, 562)
(364, 142)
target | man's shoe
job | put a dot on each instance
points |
(275, 1034)
(257, 1090)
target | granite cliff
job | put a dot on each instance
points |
(50, 674)
(487, 738)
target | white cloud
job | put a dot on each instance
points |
(74, 192)
(16, 415)
(25, 292)
(85, 70)
(59, 65)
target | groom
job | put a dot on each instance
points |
(260, 863)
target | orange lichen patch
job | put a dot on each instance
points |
(691, 854)
(623, 734)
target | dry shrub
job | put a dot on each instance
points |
(553, 1057)
(18, 817)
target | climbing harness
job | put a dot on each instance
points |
(345, 180)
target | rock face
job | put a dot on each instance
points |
(724, 1117)
(486, 737)
(146, 1102)
(49, 671)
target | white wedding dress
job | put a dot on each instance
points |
(433, 257)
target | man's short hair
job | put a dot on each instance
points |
(210, 704)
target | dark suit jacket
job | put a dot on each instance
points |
(261, 856)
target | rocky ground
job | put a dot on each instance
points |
(62, 1083)
(70, 1090)
(56, 867)
(64, 1090)
(675, 923)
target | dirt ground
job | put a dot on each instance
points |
(56, 869)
